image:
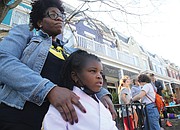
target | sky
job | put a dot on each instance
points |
(156, 29)
(161, 37)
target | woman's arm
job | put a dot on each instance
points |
(139, 96)
(124, 99)
(15, 74)
(28, 83)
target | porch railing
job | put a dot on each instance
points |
(102, 49)
(128, 111)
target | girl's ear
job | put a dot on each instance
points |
(74, 76)
(39, 23)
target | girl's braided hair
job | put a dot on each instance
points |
(75, 62)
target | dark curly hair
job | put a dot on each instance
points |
(39, 8)
(144, 78)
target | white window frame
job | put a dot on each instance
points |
(136, 59)
(145, 63)
(125, 51)
(155, 67)
(69, 35)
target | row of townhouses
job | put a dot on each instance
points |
(119, 54)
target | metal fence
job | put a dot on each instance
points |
(129, 115)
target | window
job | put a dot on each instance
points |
(176, 73)
(158, 69)
(68, 36)
(19, 17)
(161, 72)
(164, 72)
(145, 64)
(169, 73)
(136, 60)
(172, 73)
(155, 68)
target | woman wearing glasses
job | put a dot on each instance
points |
(30, 73)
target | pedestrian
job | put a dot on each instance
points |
(135, 90)
(124, 93)
(30, 69)
(159, 87)
(147, 91)
(82, 73)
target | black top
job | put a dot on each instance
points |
(159, 87)
(32, 115)
(53, 64)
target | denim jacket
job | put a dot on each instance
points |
(22, 57)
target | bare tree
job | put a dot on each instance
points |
(126, 12)
(5, 6)
(118, 10)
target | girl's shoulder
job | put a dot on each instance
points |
(148, 88)
(125, 90)
(147, 85)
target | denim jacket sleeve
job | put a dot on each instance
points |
(26, 82)
(103, 92)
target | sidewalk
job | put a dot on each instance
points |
(175, 123)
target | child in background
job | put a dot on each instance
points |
(82, 73)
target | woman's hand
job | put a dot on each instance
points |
(63, 99)
(106, 100)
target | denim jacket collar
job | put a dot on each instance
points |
(45, 35)
(42, 34)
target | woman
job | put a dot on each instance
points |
(147, 96)
(136, 89)
(124, 98)
(82, 73)
(30, 72)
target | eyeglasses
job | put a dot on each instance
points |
(54, 15)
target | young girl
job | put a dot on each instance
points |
(82, 73)
(124, 98)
